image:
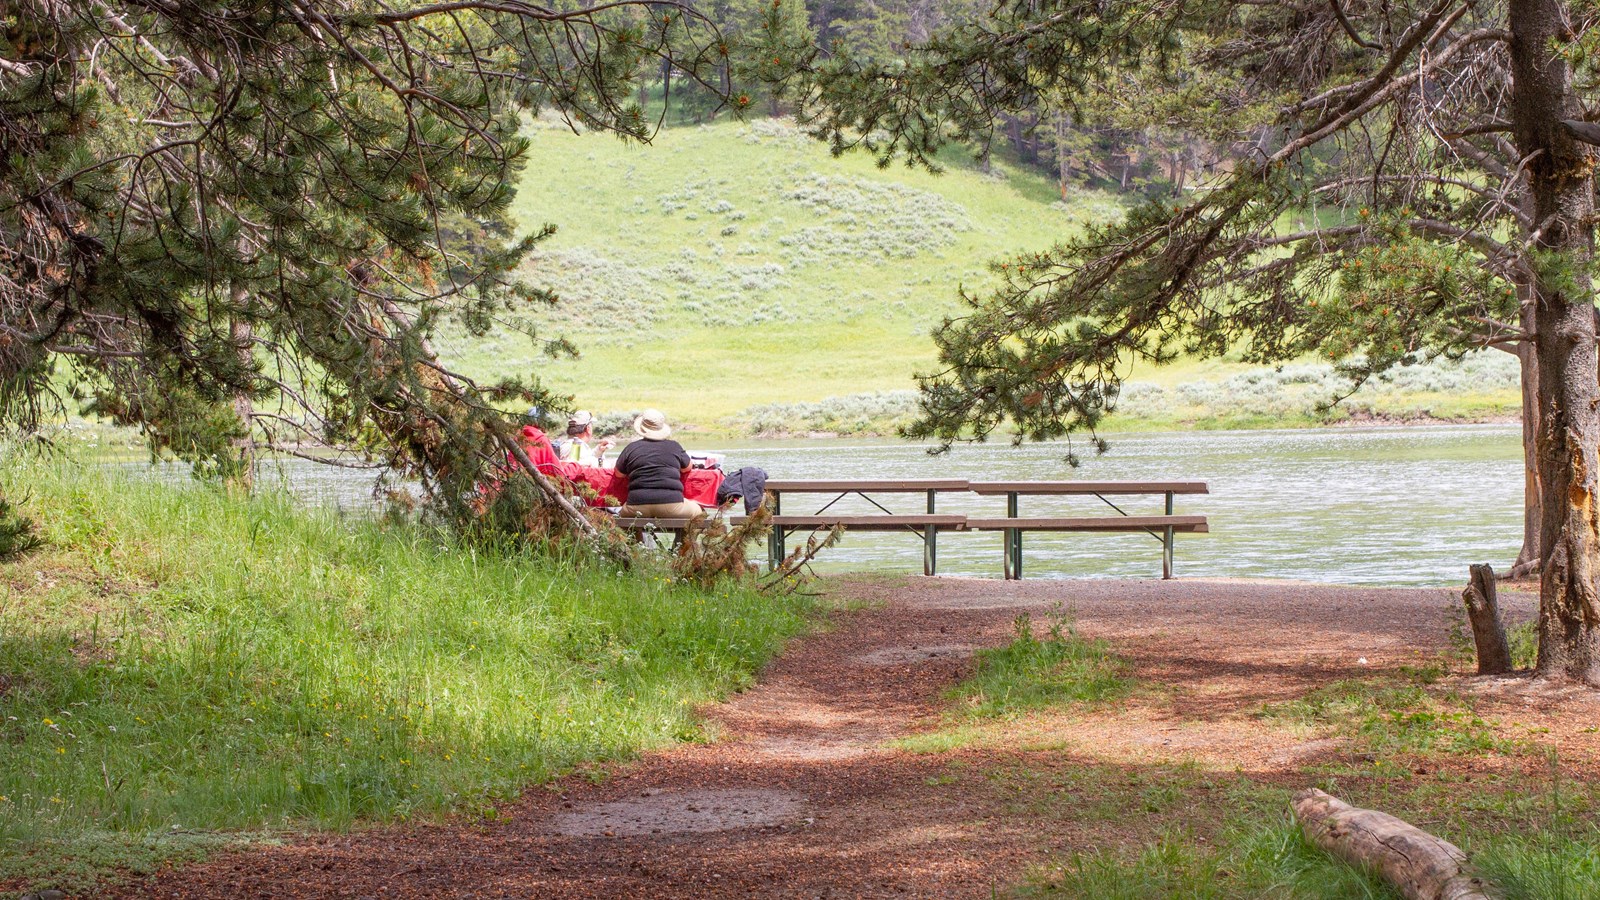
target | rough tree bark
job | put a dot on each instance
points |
(1063, 160)
(1419, 865)
(1527, 563)
(1561, 179)
(1488, 631)
(243, 338)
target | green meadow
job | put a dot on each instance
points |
(726, 266)
(744, 280)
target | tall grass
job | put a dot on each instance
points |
(179, 659)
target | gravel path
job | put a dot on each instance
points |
(804, 795)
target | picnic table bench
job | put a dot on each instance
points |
(928, 525)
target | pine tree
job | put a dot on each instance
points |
(1412, 182)
(238, 222)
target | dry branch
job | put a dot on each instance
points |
(1419, 865)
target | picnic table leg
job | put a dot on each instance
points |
(1013, 542)
(1166, 545)
(930, 544)
(775, 538)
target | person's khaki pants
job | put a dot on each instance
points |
(683, 509)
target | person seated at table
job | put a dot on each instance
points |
(580, 432)
(536, 444)
(656, 468)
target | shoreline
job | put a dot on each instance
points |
(1127, 427)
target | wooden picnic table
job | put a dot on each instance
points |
(928, 525)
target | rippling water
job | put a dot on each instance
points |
(1405, 506)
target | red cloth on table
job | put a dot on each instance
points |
(604, 483)
(700, 485)
(610, 486)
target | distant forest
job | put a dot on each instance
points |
(1112, 142)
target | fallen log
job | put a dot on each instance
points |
(1488, 630)
(1419, 865)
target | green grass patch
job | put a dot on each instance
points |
(1059, 667)
(180, 660)
(1390, 720)
(1264, 861)
(1221, 836)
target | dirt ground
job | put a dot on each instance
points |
(806, 792)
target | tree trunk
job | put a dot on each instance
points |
(666, 86)
(1063, 162)
(1527, 564)
(1560, 175)
(1488, 631)
(243, 338)
(921, 19)
(1419, 865)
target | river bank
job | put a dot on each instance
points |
(1186, 395)
(1355, 505)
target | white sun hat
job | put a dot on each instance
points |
(652, 425)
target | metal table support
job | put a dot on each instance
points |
(1166, 545)
(775, 552)
(1013, 542)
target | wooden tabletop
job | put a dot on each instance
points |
(1088, 487)
(902, 485)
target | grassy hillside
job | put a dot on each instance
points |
(737, 264)
(742, 279)
(178, 666)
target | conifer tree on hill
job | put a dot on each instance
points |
(226, 219)
(1425, 190)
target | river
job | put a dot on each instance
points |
(1401, 506)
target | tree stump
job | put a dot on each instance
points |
(1488, 631)
(1419, 865)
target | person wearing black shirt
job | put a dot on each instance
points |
(656, 467)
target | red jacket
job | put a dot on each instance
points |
(537, 445)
